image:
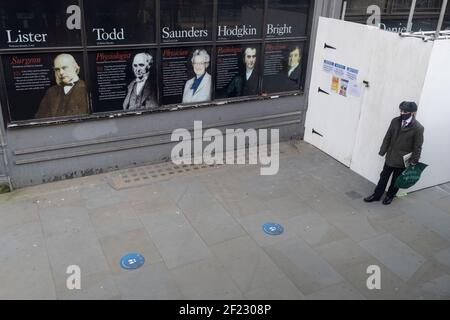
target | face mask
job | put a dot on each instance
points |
(405, 116)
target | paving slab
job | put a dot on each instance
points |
(116, 246)
(206, 279)
(303, 266)
(394, 254)
(442, 203)
(82, 250)
(438, 288)
(344, 253)
(340, 291)
(149, 282)
(201, 234)
(112, 219)
(63, 222)
(282, 289)
(429, 194)
(357, 226)
(18, 213)
(313, 228)
(428, 216)
(422, 240)
(25, 272)
(252, 270)
(213, 223)
(253, 225)
(94, 286)
(443, 257)
(175, 238)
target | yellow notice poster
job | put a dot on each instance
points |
(335, 84)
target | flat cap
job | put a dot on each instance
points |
(408, 106)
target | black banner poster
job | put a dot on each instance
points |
(237, 71)
(45, 85)
(39, 23)
(120, 22)
(283, 67)
(287, 18)
(240, 19)
(186, 74)
(123, 80)
(187, 20)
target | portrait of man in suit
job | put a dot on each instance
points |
(246, 83)
(69, 96)
(198, 88)
(140, 94)
(293, 72)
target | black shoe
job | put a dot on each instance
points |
(388, 200)
(372, 198)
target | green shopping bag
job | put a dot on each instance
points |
(410, 176)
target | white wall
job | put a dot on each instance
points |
(434, 114)
(397, 73)
(397, 69)
(333, 116)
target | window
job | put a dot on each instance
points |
(395, 13)
(125, 22)
(71, 59)
(186, 21)
(37, 24)
(239, 19)
(422, 6)
(287, 18)
(359, 7)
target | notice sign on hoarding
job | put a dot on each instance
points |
(344, 79)
(328, 66)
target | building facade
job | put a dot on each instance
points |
(99, 85)
(93, 86)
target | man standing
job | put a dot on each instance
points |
(140, 94)
(245, 84)
(68, 97)
(404, 136)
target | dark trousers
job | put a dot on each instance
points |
(384, 178)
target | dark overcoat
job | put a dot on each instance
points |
(399, 141)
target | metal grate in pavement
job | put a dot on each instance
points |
(139, 176)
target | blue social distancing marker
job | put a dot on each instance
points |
(132, 260)
(274, 229)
